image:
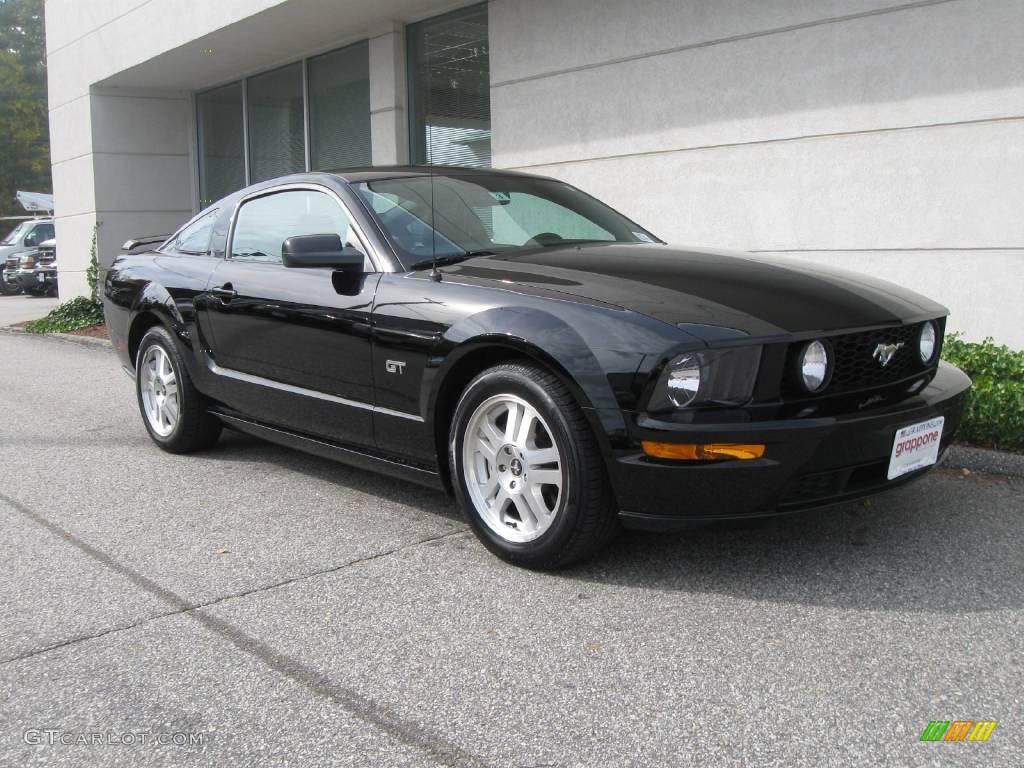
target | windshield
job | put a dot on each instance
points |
(14, 234)
(450, 216)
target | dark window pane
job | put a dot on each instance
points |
(450, 89)
(339, 108)
(221, 158)
(277, 142)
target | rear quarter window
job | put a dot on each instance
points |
(194, 238)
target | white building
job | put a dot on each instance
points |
(880, 135)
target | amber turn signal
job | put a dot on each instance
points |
(702, 452)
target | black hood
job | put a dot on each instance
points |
(730, 290)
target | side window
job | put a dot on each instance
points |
(195, 238)
(42, 233)
(264, 223)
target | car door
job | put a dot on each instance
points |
(291, 346)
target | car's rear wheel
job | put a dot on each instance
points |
(173, 410)
(527, 469)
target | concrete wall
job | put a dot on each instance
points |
(876, 135)
(121, 156)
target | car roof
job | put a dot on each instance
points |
(371, 173)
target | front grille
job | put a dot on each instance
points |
(855, 367)
(11, 263)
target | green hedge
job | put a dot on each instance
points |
(995, 409)
(80, 312)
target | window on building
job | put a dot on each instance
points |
(337, 97)
(450, 89)
(339, 108)
(221, 146)
(277, 129)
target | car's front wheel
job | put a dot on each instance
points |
(527, 469)
(173, 410)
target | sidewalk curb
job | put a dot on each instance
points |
(70, 338)
(985, 461)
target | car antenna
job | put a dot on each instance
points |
(435, 275)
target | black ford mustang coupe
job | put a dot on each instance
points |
(515, 341)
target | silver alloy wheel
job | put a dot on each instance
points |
(512, 467)
(159, 387)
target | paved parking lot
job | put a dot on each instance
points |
(296, 612)
(17, 309)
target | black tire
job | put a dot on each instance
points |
(8, 288)
(195, 428)
(585, 518)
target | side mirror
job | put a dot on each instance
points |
(324, 251)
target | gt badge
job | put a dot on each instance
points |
(397, 366)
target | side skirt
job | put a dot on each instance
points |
(334, 451)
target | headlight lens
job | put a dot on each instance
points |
(926, 345)
(682, 381)
(709, 377)
(814, 366)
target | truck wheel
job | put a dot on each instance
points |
(173, 410)
(527, 469)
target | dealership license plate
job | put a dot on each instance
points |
(41, 277)
(915, 447)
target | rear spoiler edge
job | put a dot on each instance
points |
(132, 245)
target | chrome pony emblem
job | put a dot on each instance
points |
(884, 353)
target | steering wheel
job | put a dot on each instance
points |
(547, 238)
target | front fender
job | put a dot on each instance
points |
(600, 378)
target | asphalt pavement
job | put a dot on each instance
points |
(257, 606)
(17, 309)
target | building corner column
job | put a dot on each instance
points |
(389, 134)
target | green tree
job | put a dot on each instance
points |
(24, 125)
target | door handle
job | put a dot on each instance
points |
(224, 292)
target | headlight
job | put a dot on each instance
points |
(814, 366)
(708, 377)
(27, 262)
(682, 380)
(926, 344)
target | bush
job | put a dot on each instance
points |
(80, 312)
(995, 408)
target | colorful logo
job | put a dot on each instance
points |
(958, 730)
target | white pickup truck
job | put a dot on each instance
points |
(23, 240)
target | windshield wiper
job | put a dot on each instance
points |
(443, 261)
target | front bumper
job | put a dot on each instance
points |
(35, 279)
(808, 462)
